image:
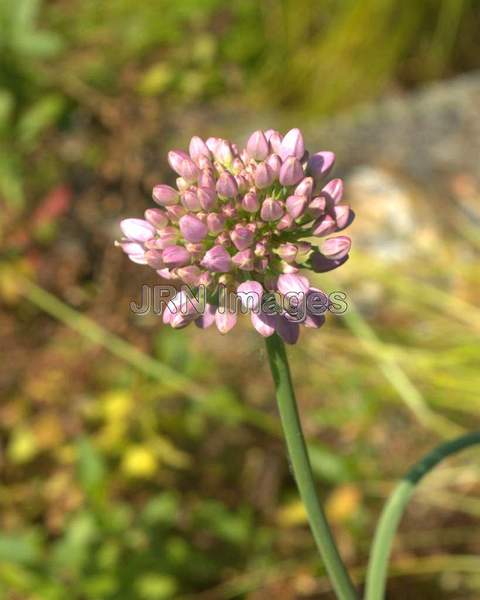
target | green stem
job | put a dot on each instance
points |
(303, 472)
(395, 507)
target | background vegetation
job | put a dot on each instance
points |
(142, 463)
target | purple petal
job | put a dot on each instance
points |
(291, 282)
(264, 324)
(137, 230)
(225, 320)
(292, 145)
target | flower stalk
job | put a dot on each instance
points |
(302, 469)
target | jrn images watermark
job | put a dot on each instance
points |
(154, 299)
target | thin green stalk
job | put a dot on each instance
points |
(395, 507)
(303, 471)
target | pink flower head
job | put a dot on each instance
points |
(238, 221)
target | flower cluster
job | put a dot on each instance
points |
(243, 221)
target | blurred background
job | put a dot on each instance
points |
(141, 463)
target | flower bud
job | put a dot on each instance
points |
(285, 223)
(333, 191)
(193, 230)
(317, 206)
(296, 205)
(321, 264)
(206, 180)
(175, 212)
(272, 210)
(154, 259)
(134, 251)
(223, 153)
(320, 164)
(291, 172)
(275, 141)
(257, 146)
(264, 176)
(244, 260)
(292, 282)
(225, 320)
(182, 185)
(212, 143)
(215, 222)
(305, 187)
(292, 145)
(198, 149)
(217, 259)
(190, 275)
(175, 159)
(287, 252)
(166, 237)
(275, 163)
(183, 165)
(165, 195)
(207, 198)
(250, 294)
(195, 249)
(156, 217)
(175, 256)
(242, 237)
(223, 239)
(336, 248)
(242, 183)
(137, 230)
(227, 186)
(191, 201)
(324, 226)
(343, 216)
(250, 202)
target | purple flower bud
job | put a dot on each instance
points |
(292, 145)
(275, 163)
(237, 166)
(217, 259)
(225, 320)
(154, 259)
(227, 186)
(317, 206)
(291, 172)
(250, 294)
(190, 275)
(215, 222)
(166, 237)
(250, 202)
(287, 330)
(291, 282)
(182, 164)
(296, 205)
(198, 148)
(343, 216)
(191, 201)
(175, 159)
(175, 256)
(212, 143)
(272, 210)
(264, 324)
(207, 318)
(156, 217)
(286, 267)
(320, 164)
(275, 141)
(165, 195)
(244, 260)
(134, 251)
(336, 248)
(285, 223)
(195, 249)
(324, 226)
(264, 176)
(223, 153)
(207, 198)
(242, 183)
(175, 212)
(206, 180)
(287, 252)
(137, 230)
(322, 264)
(188, 170)
(305, 187)
(242, 237)
(333, 191)
(257, 146)
(193, 230)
